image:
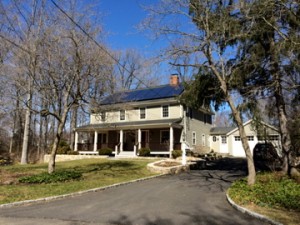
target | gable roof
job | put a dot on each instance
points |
(230, 130)
(159, 92)
(250, 121)
(220, 130)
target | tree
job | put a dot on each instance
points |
(212, 39)
(55, 62)
(132, 70)
(270, 58)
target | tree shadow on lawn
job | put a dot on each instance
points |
(112, 165)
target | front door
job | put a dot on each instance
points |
(129, 141)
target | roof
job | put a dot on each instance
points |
(159, 92)
(231, 130)
(221, 130)
(131, 124)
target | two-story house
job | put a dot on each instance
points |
(145, 118)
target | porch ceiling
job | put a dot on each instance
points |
(132, 124)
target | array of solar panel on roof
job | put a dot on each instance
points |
(166, 91)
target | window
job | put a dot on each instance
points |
(250, 138)
(214, 138)
(164, 136)
(165, 111)
(203, 139)
(224, 139)
(103, 116)
(273, 137)
(194, 141)
(122, 114)
(191, 113)
(142, 113)
(237, 138)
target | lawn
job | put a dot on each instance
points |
(273, 195)
(95, 173)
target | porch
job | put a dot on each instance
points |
(127, 142)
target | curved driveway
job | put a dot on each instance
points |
(197, 197)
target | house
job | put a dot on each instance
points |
(227, 140)
(145, 118)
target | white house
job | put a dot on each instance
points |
(226, 140)
(151, 117)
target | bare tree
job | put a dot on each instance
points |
(132, 70)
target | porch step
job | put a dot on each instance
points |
(126, 155)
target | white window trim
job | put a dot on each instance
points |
(237, 138)
(250, 138)
(145, 113)
(124, 114)
(194, 138)
(162, 111)
(222, 140)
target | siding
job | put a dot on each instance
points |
(133, 114)
(200, 123)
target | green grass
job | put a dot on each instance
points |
(273, 195)
(96, 173)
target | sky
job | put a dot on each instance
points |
(121, 18)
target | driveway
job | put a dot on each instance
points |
(197, 197)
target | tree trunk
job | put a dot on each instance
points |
(237, 117)
(73, 125)
(281, 110)
(250, 163)
(285, 135)
(24, 157)
(61, 124)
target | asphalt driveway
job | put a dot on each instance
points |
(197, 197)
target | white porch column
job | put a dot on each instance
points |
(139, 138)
(171, 140)
(121, 140)
(95, 141)
(76, 142)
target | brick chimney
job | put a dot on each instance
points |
(174, 80)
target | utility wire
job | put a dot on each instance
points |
(97, 44)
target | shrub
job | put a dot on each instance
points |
(144, 152)
(61, 176)
(270, 190)
(176, 153)
(105, 151)
(63, 148)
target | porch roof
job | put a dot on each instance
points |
(132, 124)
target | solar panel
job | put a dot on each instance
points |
(165, 91)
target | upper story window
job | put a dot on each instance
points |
(103, 116)
(122, 114)
(165, 111)
(142, 113)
